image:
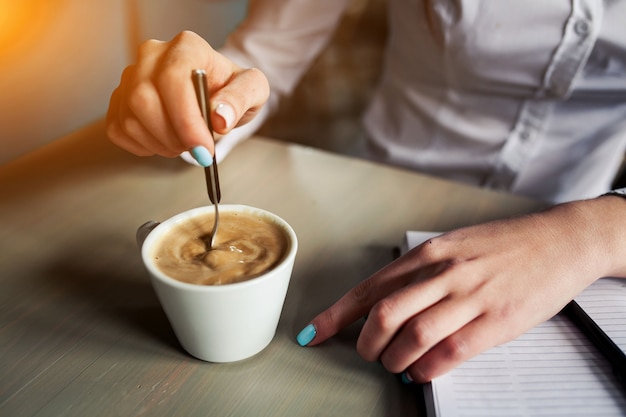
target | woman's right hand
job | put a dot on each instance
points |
(154, 110)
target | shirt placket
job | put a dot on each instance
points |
(579, 36)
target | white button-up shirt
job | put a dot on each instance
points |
(526, 96)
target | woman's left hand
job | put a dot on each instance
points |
(463, 292)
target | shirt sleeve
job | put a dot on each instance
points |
(281, 38)
(618, 192)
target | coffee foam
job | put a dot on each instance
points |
(246, 246)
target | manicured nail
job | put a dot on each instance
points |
(202, 155)
(227, 113)
(306, 335)
(406, 378)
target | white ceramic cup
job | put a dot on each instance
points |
(220, 323)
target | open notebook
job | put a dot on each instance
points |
(552, 370)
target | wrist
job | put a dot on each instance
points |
(604, 221)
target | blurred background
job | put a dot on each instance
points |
(61, 59)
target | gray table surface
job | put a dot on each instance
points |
(81, 330)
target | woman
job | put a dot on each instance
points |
(528, 97)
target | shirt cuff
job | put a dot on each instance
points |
(620, 192)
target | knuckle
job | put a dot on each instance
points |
(387, 316)
(147, 47)
(186, 36)
(255, 72)
(363, 348)
(420, 334)
(362, 292)
(506, 313)
(431, 250)
(187, 41)
(139, 98)
(128, 73)
(423, 373)
(130, 126)
(261, 84)
(113, 132)
(454, 349)
(382, 315)
(446, 355)
(329, 321)
(391, 363)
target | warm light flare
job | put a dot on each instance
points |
(22, 22)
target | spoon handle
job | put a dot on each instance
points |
(210, 172)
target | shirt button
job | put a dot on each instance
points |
(581, 27)
(525, 135)
(556, 88)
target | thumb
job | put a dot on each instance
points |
(239, 100)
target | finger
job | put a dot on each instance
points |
(124, 128)
(144, 139)
(145, 120)
(173, 81)
(141, 104)
(240, 100)
(358, 301)
(472, 339)
(116, 133)
(391, 313)
(187, 122)
(425, 330)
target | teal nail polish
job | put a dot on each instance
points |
(406, 378)
(306, 335)
(202, 155)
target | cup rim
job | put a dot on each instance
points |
(167, 224)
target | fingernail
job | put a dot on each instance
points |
(306, 335)
(227, 113)
(202, 155)
(406, 378)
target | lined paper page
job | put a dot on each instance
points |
(552, 370)
(605, 303)
(549, 371)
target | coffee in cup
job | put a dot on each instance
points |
(230, 321)
(245, 247)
